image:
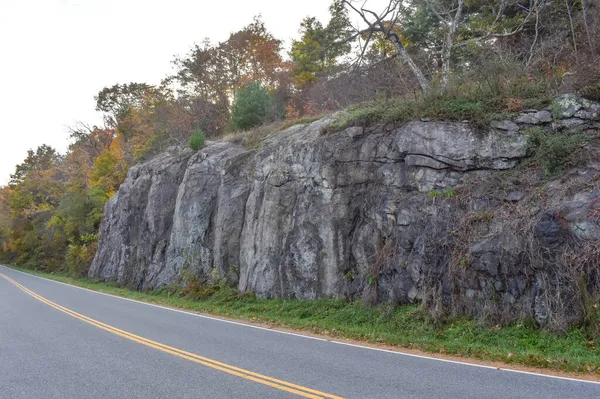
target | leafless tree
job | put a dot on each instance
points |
(384, 24)
(451, 16)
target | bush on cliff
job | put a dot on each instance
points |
(553, 152)
(252, 107)
(197, 140)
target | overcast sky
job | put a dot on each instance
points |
(57, 54)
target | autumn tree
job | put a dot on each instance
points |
(35, 192)
(209, 77)
(117, 102)
(215, 73)
(5, 254)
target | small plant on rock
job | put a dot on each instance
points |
(197, 140)
(552, 152)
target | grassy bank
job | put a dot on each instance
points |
(403, 326)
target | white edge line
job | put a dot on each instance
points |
(311, 337)
(203, 316)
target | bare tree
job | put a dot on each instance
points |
(384, 24)
(585, 7)
(450, 14)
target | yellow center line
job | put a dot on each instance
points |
(239, 372)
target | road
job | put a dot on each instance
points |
(59, 341)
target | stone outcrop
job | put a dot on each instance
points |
(416, 212)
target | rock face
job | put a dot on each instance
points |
(398, 213)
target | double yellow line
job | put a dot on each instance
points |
(239, 372)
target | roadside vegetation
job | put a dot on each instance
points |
(442, 60)
(448, 60)
(401, 326)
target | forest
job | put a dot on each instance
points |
(458, 59)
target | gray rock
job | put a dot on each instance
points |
(570, 123)
(544, 116)
(505, 125)
(354, 131)
(567, 105)
(528, 119)
(591, 115)
(412, 294)
(548, 231)
(297, 216)
(459, 146)
(534, 118)
(499, 286)
(428, 162)
(515, 196)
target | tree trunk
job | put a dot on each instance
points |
(584, 6)
(447, 50)
(423, 82)
(446, 54)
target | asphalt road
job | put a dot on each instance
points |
(58, 341)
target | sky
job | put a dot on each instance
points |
(55, 55)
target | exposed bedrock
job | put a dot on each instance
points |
(425, 211)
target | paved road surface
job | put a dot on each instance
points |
(58, 341)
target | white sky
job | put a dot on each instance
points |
(55, 55)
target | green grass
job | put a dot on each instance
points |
(478, 101)
(404, 326)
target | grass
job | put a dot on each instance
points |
(253, 138)
(403, 326)
(479, 102)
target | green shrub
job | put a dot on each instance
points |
(197, 140)
(252, 107)
(552, 152)
(79, 257)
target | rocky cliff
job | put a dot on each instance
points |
(431, 211)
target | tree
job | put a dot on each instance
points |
(43, 158)
(319, 47)
(384, 24)
(308, 53)
(215, 73)
(110, 169)
(4, 223)
(460, 25)
(36, 188)
(252, 107)
(118, 100)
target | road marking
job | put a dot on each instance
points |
(239, 372)
(392, 352)
(202, 316)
